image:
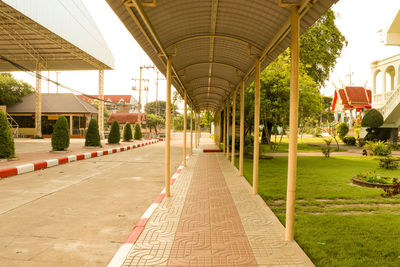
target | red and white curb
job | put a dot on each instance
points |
(123, 251)
(30, 167)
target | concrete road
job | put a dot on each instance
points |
(78, 214)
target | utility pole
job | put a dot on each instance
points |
(140, 88)
(158, 79)
(57, 80)
(349, 75)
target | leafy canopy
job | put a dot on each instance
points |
(320, 46)
(11, 90)
(7, 148)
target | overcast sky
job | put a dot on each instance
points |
(358, 20)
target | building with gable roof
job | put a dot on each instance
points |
(350, 103)
(115, 103)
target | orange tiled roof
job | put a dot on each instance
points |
(112, 98)
(353, 97)
(123, 118)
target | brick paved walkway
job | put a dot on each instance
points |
(212, 219)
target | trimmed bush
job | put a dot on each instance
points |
(115, 136)
(92, 135)
(373, 119)
(342, 129)
(7, 148)
(349, 140)
(60, 136)
(138, 132)
(127, 134)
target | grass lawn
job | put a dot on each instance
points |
(305, 144)
(337, 223)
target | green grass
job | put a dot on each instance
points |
(337, 223)
(305, 144)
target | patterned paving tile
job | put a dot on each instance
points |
(210, 232)
(264, 231)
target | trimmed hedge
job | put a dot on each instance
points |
(138, 132)
(127, 134)
(372, 119)
(115, 136)
(349, 140)
(7, 147)
(93, 135)
(60, 136)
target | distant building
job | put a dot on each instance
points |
(350, 103)
(123, 118)
(119, 103)
(77, 112)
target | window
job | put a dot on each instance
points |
(25, 121)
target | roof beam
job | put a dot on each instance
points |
(161, 52)
(213, 77)
(214, 63)
(216, 87)
(214, 12)
(206, 93)
(216, 36)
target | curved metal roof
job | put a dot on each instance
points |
(214, 41)
(60, 34)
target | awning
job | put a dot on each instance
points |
(214, 41)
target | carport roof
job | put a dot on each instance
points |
(60, 34)
(212, 39)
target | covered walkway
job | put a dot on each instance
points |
(213, 219)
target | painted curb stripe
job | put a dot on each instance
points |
(40, 165)
(25, 168)
(120, 256)
(29, 167)
(63, 160)
(8, 172)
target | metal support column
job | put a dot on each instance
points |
(198, 129)
(195, 130)
(168, 128)
(233, 127)
(38, 102)
(101, 104)
(241, 150)
(293, 123)
(191, 130)
(227, 129)
(223, 132)
(256, 126)
(184, 129)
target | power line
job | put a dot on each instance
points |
(44, 78)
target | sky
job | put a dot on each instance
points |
(359, 21)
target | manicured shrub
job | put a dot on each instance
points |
(127, 134)
(115, 136)
(349, 140)
(378, 148)
(138, 132)
(7, 148)
(92, 135)
(342, 129)
(60, 136)
(373, 119)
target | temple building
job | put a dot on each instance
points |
(350, 104)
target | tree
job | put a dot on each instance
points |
(151, 108)
(154, 121)
(11, 90)
(115, 136)
(178, 122)
(92, 135)
(320, 46)
(7, 148)
(275, 97)
(60, 136)
(342, 129)
(138, 132)
(207, 118)
(127, 134)
(372, 119)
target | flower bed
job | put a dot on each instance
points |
(372, 179)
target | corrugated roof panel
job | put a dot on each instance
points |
(69, 20)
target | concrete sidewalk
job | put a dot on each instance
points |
(35, 150)
(212, 219)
